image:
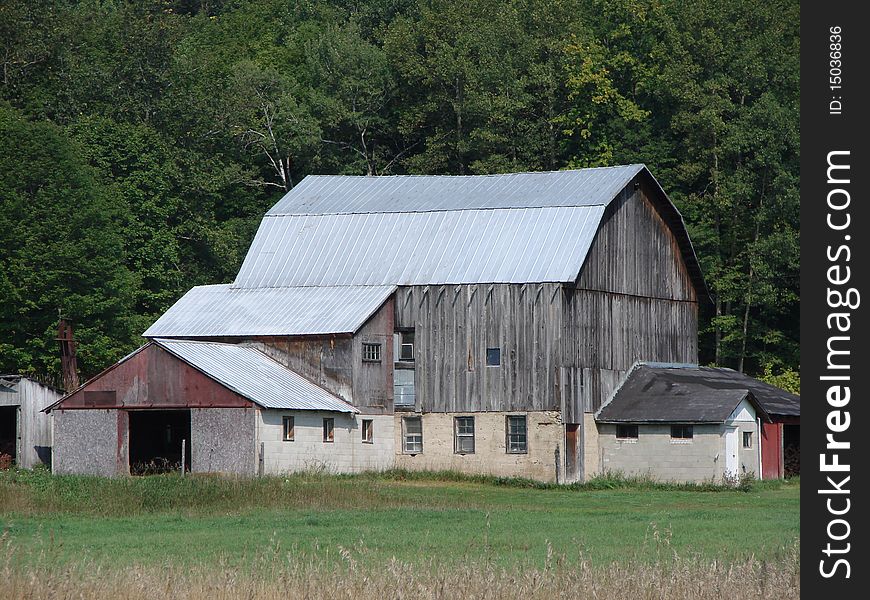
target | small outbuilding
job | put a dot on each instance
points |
(682, 423)
(209, 407)
(25, 431)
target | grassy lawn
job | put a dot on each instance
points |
(204, 520)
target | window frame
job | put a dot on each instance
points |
(466, 435)
(508, 447)
(632, 429)
(404, 336)
(291, 420)
(375, 347)
(684, 438)
(747, 437)
(406, 434)
(328, 430)
(368, 427)
(490, 349)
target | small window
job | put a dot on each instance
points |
(517, 441)
(367, 431)
(747, 439)
(413, 435)
(328, 430)
(371, 352)
(626, 432)
(463, 438)
(682, 432)
(493, 357)
(289, 429)
(406, 346)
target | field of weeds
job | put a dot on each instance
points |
(393, 535)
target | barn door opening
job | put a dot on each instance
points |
(571, 462)
(8, 436)
(156, 439)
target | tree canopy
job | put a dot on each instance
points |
(141, 141)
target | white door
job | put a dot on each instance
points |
(731, 451)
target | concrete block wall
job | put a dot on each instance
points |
(347, 453)
(591, 450)
(85, 442)
(654, 453)
(545, 433)
(222, 441)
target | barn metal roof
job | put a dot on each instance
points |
(442, 229)
(420, 248)
(336, 194)
(222, 311)
(655, 392)
(252, 374)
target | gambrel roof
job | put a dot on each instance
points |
(440, 229)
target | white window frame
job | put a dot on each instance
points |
(406, 436)
(368, 426)
(464, 435)
(509, 446)
(371, 352)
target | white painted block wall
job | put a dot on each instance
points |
(347, 453)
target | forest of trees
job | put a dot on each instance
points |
(142, 141)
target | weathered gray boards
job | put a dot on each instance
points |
(25, 431)
(487, 316)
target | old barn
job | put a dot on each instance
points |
(25, 431)
(473, 323)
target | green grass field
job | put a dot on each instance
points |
(198, 521)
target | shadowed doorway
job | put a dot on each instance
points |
(156, 439)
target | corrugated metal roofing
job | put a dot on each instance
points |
(691, 394)
(221, 311)
(419, 248)
(336, 194)
(252, 374)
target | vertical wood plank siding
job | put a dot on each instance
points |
(455, 324)
(563, 347)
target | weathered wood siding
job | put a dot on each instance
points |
(634, 300)
(455, 324)
(34, 426)
(635, 252)
(335, 362)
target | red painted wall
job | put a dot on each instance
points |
(153, 378)
(771, 451)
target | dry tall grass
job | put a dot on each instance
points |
(292, 577)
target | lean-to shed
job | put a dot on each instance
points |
(25, 431)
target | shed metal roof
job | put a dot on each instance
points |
(336, 194)
(222, 311)
(252, 374)
(653, 392)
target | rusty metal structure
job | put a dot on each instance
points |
(69, 367)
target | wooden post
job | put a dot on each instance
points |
(262, 459)
(183, 455)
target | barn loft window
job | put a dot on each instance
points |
(747, 439)
(682, 433)
(328, 430)
(626, 432)
(371, 352)
(406, 346)
(493, 357)
(463, 435)
(517, 441)
(412, 435)
(367, 431)
(289, 429)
